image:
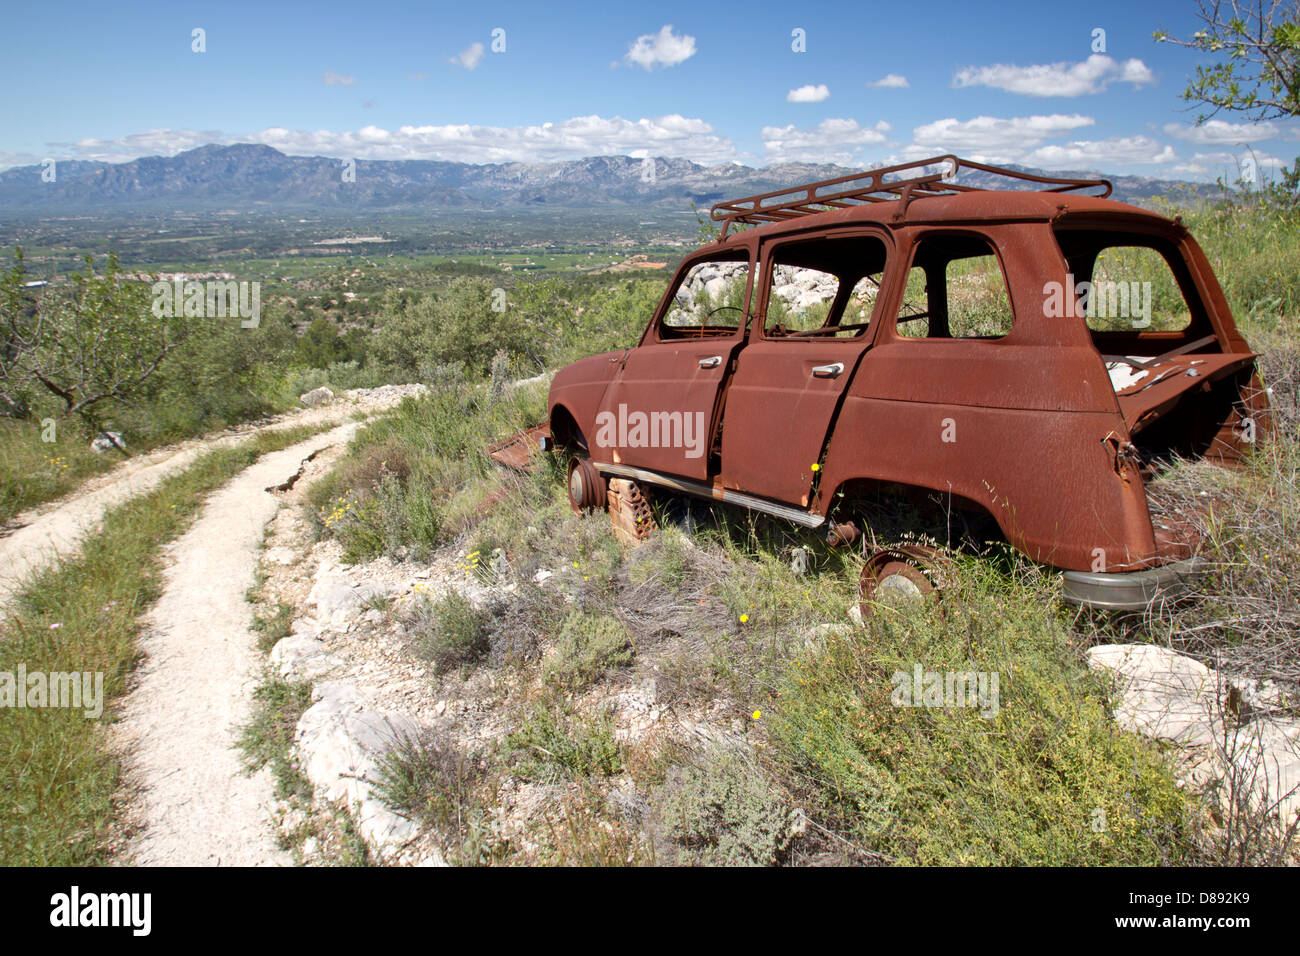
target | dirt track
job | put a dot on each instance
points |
(181, 721)
(193, 802)
(55, 529)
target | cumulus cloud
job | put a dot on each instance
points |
(330, 78)
(1025, 140)
(469, 57)
(1112, 151)
(830, 141)
(664, 48)
(1092, 75)
(1230, 165)
(992, 138)
(809, 94)
(1216, 132)
(891, 81)
(671, 135)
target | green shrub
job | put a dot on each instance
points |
(588, 647)
(1022, 782)
(551, 746)
(429, 782)
(450, 632)
(720, 810)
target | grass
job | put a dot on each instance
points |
(274, 626)
(415, 479)
(1252, 250)
(268, 737)
(59, 777)
(33, 471)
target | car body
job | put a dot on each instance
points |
(1032, 402)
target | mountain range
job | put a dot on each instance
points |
(253, 174)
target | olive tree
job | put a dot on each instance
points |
(86, 344)
(1256, 50)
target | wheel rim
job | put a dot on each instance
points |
(894, 579)
(899, 580)
(585, 486)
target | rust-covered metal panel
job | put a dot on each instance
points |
(519, 451)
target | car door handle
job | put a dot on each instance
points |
(828, 371)
(713, 361)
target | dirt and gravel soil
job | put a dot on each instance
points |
(193, 691)
(193, 804)
(37, 537)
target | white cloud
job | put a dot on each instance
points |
(672, 135)
(1113, 151)
(469, 57)
(337, 79)
(1219, 132)
(1229, 165)
(830, 141)
(809, 94)
(892, 81)
(1093, 75)
(154, 142)
(993, 138)
(1024, 140)
(10, 159)
(660, 49)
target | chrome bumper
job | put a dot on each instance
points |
(1131, 590)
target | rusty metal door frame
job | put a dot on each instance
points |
(704, 255)
(699, 368)
(813, 373)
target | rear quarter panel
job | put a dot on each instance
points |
(1017, 424)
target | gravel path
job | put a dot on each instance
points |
(55, 529)
(180, 722)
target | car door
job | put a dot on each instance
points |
(814, 320)
(662, 407)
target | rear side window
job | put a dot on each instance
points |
(956, 289)
(1132, 289)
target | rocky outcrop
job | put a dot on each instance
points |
(317, 396)
(302, 657)
(337, 599)
(341, 743)
(1229, 730)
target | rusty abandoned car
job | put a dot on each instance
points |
(1031, 350)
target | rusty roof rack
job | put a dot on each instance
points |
(813, 198)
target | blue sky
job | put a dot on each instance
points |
(710, 82)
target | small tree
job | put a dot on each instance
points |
(1257, 50)
(87, 346)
